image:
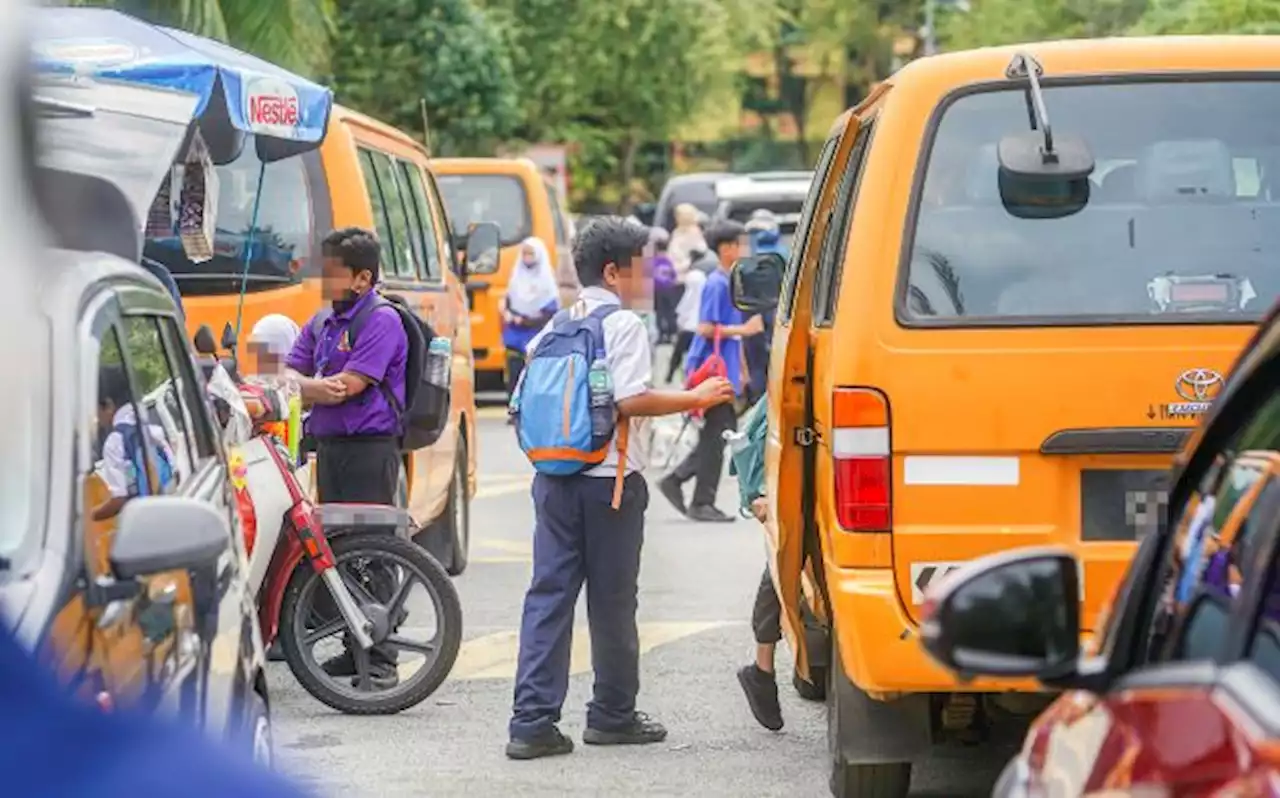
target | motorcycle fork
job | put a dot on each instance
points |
(316, 550)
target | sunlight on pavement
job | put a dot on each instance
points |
(494, 656)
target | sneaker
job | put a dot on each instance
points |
(669, 486)
(643, 730)
(709, 514)
(342, 665)
(762, 696)
(548, 743)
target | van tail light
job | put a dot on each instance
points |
(860, 454)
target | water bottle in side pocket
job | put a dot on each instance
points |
(600, 384)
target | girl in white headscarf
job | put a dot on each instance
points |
(685, 239)
(533, 297)
(271, 341)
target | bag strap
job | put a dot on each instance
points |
(624, 435)
(715, 340)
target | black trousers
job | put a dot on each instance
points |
(706, 462)
(579, 538)
(766, 613)
(515, 366)
(364, 470)
(684, 339)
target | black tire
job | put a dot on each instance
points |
(427, 680)
(448, 538)
(815, 690)
(853, 779)
(258, 731)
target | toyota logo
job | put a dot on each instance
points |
(1198, 385)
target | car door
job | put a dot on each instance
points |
(789, 453)
(216, 623)
(1201, 670)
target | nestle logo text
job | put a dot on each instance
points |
(272, 109)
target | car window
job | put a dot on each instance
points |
(388, 214)
(189, 398)
(156, 392)
(791, 279)
(1176, 225)
(425, 241)
(831, 256)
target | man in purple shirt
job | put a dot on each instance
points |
(355, 389)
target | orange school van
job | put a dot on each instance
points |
(370, 175)
(514, 194)
(1016, 284)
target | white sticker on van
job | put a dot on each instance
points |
(924, 470)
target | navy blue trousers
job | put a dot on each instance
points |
(580, 538)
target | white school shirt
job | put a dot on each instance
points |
(630, 362)
(690, 303)
(114, 468)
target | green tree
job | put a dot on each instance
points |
(389, 55)
(291, 33)
(995, 22)
(1211, 16)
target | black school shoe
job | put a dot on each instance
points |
(643, 730)
(547, 743)
(382, 675)
(669, 487)
(710, 514)
(762, 696)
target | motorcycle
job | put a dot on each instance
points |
(330, 572)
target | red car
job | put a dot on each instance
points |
(1179, 695)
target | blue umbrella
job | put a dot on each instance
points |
(236, 93)
(249, 94)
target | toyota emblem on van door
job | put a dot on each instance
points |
(1198, 385)
(1197, 388)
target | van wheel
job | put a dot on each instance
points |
(846, 728)
(448, 538)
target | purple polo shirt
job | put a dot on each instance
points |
(381, 353)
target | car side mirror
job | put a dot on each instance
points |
(1010, 614)
(483, 243)
(167, 533)
(756, 282)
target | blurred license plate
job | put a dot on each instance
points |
(1122, 505)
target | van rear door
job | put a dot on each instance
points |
(1047, 352)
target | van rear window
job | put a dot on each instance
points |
(1182, 222)
(500, 199)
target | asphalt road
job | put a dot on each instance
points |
(696, 590)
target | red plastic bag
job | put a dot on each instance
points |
(713, 366)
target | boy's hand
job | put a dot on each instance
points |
(713, 391)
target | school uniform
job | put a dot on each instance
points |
(705, 463)
(686, 319)
(357, 442)
(579, 538)
(121, 473)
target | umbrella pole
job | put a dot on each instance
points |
(248, 250)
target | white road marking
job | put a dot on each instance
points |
(926, 470)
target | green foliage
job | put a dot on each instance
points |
(292, 33)
(390, 54)
(1211, 16)
(994, 22)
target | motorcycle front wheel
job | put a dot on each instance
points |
(412, 653)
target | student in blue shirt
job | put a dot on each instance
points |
(716, 315)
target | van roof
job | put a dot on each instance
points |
(1147, 55)
(341, 113)
(486, 166)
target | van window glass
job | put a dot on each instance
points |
(791, 280)
(282, 240)
(155, 392)
(190, 394)
(1182, 220)
(397, 251)
(826, 284)
(450, 255)
(420, 212)
(557, 219)
(381, 222)
(500, 199)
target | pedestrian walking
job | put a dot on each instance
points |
(686, 238)
(766, 238)
(667, 289)
(720, 328)
(356, 389)
(533, 297)
(686, 319)
(582, 408)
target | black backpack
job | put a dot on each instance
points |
(426, 406)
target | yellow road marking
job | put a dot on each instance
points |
(494, 656)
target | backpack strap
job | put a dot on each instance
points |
(624, 435)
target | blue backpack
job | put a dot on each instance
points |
(131, 435)
(552, 402)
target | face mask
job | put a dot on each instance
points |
(348, 301)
